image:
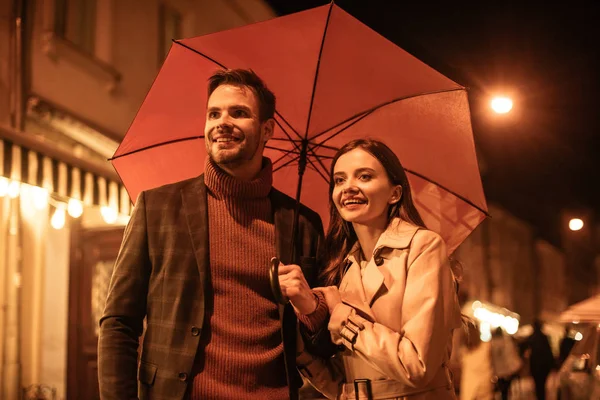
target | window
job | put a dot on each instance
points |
(169, 28)
(75, 21)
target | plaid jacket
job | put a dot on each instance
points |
(160, 274)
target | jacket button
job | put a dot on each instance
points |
(195, 331)
(379, 261)
(183, 376)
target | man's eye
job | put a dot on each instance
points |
(213, 115)
(239, 114)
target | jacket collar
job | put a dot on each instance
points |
(360, 291)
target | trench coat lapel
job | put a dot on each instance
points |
(196, 211)
(352, 290)
(373, 282)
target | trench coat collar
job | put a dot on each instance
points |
(361, 291)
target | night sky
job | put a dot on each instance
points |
(543, 156)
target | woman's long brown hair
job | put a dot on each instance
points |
(340, 235)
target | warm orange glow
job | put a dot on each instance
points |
(575, 224)
(501, 105)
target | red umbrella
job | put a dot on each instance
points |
(335, 80)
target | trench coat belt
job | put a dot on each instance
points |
(390, 388)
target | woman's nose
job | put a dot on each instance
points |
(349, 187)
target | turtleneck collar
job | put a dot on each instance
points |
(222, 185)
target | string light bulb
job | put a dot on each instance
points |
(75, 208)
(59, 217)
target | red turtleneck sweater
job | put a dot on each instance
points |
(241, 352)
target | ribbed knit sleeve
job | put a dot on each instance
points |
(315, 320)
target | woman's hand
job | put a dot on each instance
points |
(295, 288)
(332, 296)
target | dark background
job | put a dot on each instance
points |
(542, 158)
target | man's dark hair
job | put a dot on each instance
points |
(246, 78)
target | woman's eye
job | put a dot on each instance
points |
(338, 181)
(365, 177)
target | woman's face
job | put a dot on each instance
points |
(362, 191)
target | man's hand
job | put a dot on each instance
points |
(295, 288)
(332, 296)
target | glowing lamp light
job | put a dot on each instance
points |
(578, 336)
(3, 186)
(58, 218)
(40, 197)
(501, 105)
(75, 208)
(109, 214)
(14, 188)
(575, 224)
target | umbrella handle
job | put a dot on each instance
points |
(274, 278)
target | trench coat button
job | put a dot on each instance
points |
(183, 376)
(195, 331)
(378, 261)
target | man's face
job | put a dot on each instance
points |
(234, 135)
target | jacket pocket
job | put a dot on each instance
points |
(147, 373)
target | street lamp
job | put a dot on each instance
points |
(575, 224)
(501, 105)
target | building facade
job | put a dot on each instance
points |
(72, 76)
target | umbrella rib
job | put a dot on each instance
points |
(287, 151)
(156, 145)
(318, 158)
(312, 97)
(363, 116)
(286, 164)
(448, 190)
(370, 110)
(317, 168)
(224, 67)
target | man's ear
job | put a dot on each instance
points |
(396, 195)
(268, 128)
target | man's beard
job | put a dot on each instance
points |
(235, 157)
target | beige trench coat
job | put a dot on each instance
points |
(395, 321)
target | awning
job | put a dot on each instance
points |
(21, 164)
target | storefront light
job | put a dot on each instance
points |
(75, 208)
(3, 186)
(59, 217)
(485, 331)
(40, 197)
(489, 320)
(109, 214)
(14, 188)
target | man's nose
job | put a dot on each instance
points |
(224, 123)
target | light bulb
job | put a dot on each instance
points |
(58, 218)
(75, 208)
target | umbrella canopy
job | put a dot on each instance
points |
(587, 310)
(335, 80)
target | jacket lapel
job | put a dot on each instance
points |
(283, 218)
(196, 211)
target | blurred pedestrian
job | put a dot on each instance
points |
(506, 362)
(476, 371)
(541, 359)
(566, 344)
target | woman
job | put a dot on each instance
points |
(390, 290)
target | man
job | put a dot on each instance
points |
(195, 263)
(541, 358)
